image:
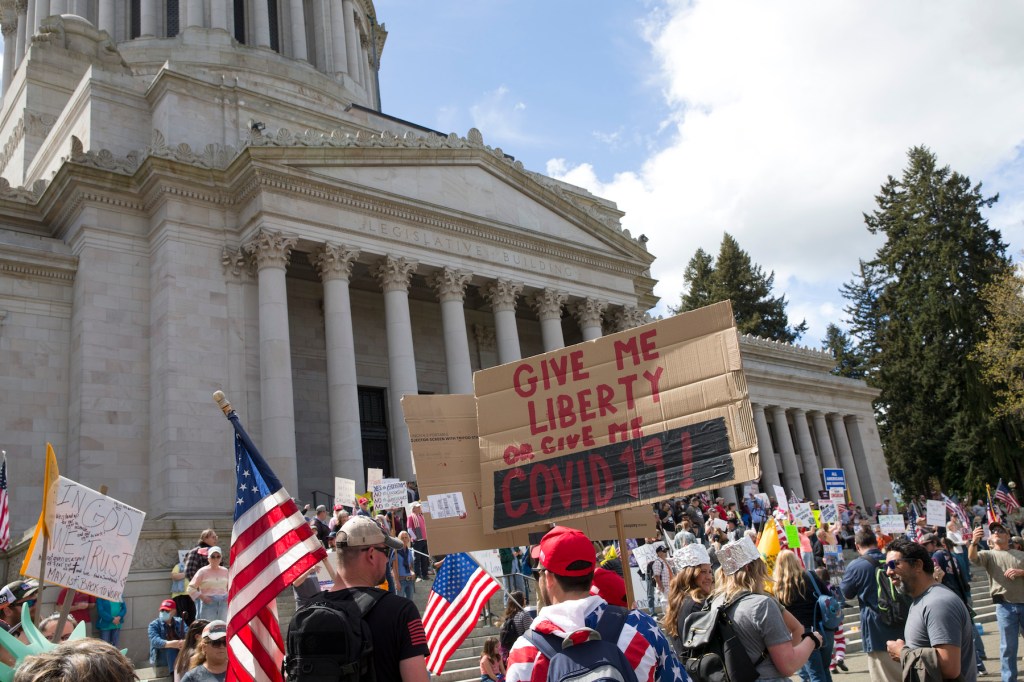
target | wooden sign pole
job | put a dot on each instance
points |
(624, 559)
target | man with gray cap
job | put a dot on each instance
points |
(364, 551)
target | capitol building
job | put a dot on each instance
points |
(209, 194)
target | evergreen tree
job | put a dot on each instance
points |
(849, 362)
(918, 310)
(735, 277)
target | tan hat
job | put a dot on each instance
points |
(361, 531)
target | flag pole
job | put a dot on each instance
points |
(620, 530)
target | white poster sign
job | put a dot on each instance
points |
(489, 561)
(93, 542)
(373, 477)
(803, 515)
(936, 513)
(389, 495)
(828, 511)
(345, 492)
(892, 524)
(323, 576)
(780, 497)
(447, 506)
(644, 555)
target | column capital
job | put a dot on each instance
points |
(270, 249)
(9, 27)
(485, 336)
(450, 283)
(627, 317)
(21, 6)
(394, 274)
(548, 303)
(588, 312)
(334, 261)
(236, 262)
(502, 294)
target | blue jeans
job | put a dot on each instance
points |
(215, 610)
(408, 587)
(112, 636)
(1011, 620)
(816, 667)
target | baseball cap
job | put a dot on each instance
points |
(660, 547)
(610, 586)
(215, 550)
(168, 605)
(215, 629)
(363, 500)
(995, 524)
(561, 547)
(929, 537)
(338, 507)
(22, 589)
(360, 531)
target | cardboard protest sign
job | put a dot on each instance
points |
(936, 513)
(780, 497)
(389, 495)
(92, 544)
(345, 492)
(802, 515)
(446, 448)
(635, 417)
(892, 524)
(829, 514)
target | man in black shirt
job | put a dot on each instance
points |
(399, 643)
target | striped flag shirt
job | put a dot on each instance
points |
(460, 590)
(1004, 495)
(5, 514)
(271, 546)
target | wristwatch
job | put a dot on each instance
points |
(817, 642)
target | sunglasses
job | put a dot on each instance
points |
(891, 565)
(386, 551)
(216, 643)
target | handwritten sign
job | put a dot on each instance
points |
(373, 477)
(490, 561)
(780, 497)
(93, 542)
(802, 515)
(634, 417)
(936, 513)
(389, 495)
(891, 524)
(829, 513)
(344, 492)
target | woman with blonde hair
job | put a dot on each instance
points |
(689, 590)
(795, 589)
(758, 617)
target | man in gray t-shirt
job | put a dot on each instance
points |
(938, 618)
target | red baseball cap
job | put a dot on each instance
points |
(168, 605)
(610, 586)
(561, 547)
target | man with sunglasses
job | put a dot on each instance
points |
(1005, 568)
(13, 596)
(364, 551)
(939, 630)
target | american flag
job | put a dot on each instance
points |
(460, 590)
(5, 515)
(271, 546)
(993, 516)
(957, 511)
(1003, 494)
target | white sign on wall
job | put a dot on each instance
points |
(345, 492)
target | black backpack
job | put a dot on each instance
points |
(329, 639)
(711, 649)
(893, 605)
(508, 634)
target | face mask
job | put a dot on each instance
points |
(165, 616)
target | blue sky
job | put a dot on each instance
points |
(777, 122)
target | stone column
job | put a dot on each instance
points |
(105, 17)
(769, 470)
(548, 304)
(272, 252)
(334, 264)
(30, 22)
(21, 7)
(874, 474)
(147, 18)
(42, 11)
(261, 23)
(58, 7)
(220, 14)
(351, 40)
(450, 285)
(10, 31)
(394, 275)
(194, 14)
(846, 458)
(298, 21)
(821, 438)
(812, 472)
(627, 317)
(790, 468)
(502, 295)
(338, 41)
(588, 314)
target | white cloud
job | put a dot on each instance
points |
(788, 117)
(500, 118)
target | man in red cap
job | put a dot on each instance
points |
(166, 636)
(565, 575)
